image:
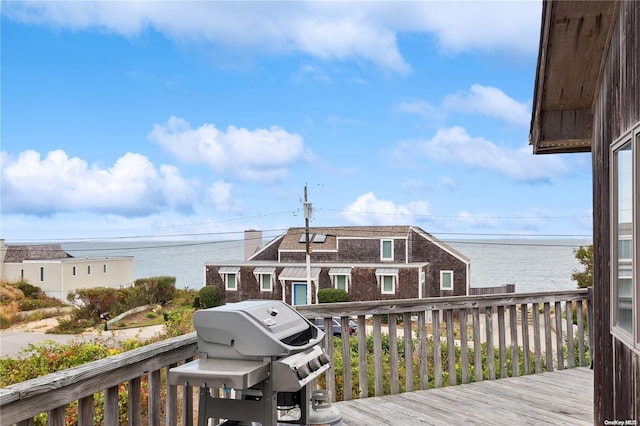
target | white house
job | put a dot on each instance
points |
(56, 272)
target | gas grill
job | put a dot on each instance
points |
(256, 360)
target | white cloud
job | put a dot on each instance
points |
(220, 196)
(492, 102)
(255, 155)
(455, 146)
(483, 100)
(482, 25)
(430, 113)
(57, 183)
(364, 31)
(367, 209)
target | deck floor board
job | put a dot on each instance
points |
(560, 398)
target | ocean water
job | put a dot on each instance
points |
(533, 265)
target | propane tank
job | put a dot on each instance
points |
(322, 413)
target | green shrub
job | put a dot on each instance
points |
(157, 290)
(210, 296)
(332, 295)
(30, 291)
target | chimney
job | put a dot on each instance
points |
(252, 242)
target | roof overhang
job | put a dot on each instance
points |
(573, 42)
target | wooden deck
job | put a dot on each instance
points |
(562, 397)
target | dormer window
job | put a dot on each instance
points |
(386, 250)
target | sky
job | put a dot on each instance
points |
(199, 120)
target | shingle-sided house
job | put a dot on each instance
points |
(587, 99)
(56, 272)
(369, 262)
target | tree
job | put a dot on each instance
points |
(585, 257)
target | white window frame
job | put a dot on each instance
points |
(382, 243)
(334, 273)
(334, 278)
(235, 281)
(261, 278)
(442, 274)
(393, 284)
(624, 267)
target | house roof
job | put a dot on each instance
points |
(20, 253)
(294, 239)
(573, 41)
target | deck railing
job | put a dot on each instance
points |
(480, 337)
(536, 329)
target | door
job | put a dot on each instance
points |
(299, 293)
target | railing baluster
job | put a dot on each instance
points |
(408, 352)
(580, 337)
(393, 353)
(502, 345)
(535, 309)
(477, 345)
(437, 349)
(464, 347)
(56, 416)
(154, 398)
(559, 337)
(133, 398)
(111, 406)
(513, 327)
(362, 357)
(571, 349)
(171, 402)
(86, 411)
(524, 315)
(491, 361)
(377, 357)
(346, 357)
(187, 405)
(330, 375)
(547, 336)
(451, 347)
(422, 341)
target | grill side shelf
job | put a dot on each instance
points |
(220, 373)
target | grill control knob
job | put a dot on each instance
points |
(314, 364)
(303, 371)
(324, 358)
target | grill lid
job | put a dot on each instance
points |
(253, 328)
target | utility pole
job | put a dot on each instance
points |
(307, 215)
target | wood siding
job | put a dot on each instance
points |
(414, 252)
(617, 109)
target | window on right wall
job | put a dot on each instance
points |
(446, 280)
(625, 159)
